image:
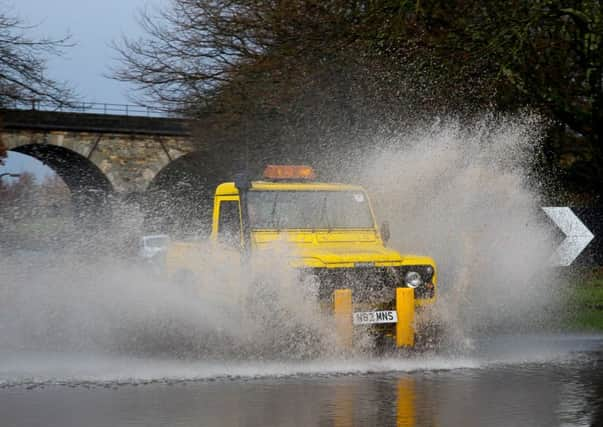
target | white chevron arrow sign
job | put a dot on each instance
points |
(577, 236)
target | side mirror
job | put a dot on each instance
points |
(152, 245)
(385, 233)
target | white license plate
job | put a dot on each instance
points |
(368, 317)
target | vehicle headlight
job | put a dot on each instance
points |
(412, 279)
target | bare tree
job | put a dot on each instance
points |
(23, 64)
(195, 48)
(280, 79)
(257, 57)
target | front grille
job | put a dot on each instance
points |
(371, 284)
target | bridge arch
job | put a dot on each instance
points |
(179, 199)
(90, 188)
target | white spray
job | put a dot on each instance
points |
(464, 195)
(457, 193)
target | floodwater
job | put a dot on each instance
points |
(87, 339)
(545, 380)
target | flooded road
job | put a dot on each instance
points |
(90, 335)
(528, 380)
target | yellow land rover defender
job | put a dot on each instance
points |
(332, 231)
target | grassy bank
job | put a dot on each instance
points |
(586, 304)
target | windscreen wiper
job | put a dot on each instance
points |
(325, 214)
(273, 212)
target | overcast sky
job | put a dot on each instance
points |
(93, 25)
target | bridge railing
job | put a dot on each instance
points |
(93, 108)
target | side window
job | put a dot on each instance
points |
(229, 223)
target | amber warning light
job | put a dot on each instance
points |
(289, 172)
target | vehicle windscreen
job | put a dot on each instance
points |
(308, 210)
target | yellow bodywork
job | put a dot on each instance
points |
(320, 250)
(324, 248)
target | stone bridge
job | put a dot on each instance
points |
(109, 153)
(102, 158)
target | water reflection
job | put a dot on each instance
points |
(565, 391)
(385, 401)
(560, 393)
(405, 411)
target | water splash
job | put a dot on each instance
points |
(113, 306)
(468, 196)
(461, 193)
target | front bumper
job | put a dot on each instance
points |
(374, 286)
